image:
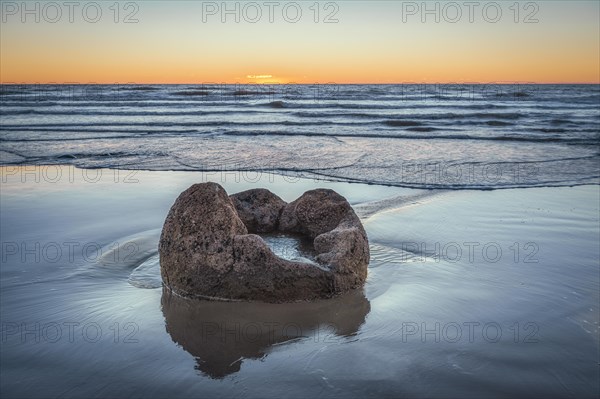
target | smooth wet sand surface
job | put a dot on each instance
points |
(470, 293)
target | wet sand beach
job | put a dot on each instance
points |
(470, 293)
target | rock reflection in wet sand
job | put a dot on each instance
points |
(220, 335)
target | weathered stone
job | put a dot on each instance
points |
(206, 251)
(259, 209)
(340, 239)
(315, 212)
(196, 244)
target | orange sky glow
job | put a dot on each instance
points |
(353, 42)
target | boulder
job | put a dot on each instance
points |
(316, 212)
(206, 249)
(196, 243)
(259, 209)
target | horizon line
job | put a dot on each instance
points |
(296, 83)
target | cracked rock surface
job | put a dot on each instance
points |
(208, 249)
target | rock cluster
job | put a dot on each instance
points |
(208, 246)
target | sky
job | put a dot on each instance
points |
(300, 42)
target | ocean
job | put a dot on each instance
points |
(450, 136)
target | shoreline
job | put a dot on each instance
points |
(42, 172)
